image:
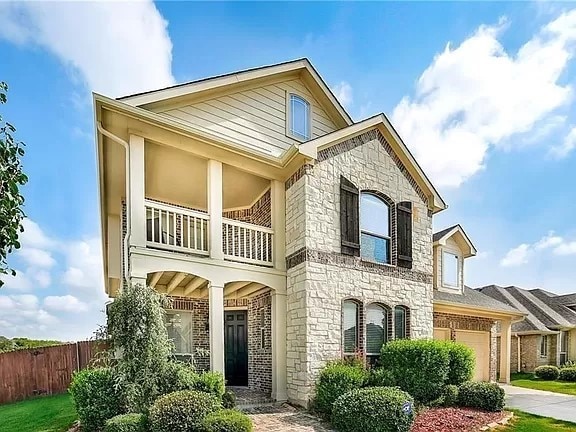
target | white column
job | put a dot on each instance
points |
(278, 205)
(137, 192)
(505, 345)
(216, 326)
(215, 209)
(279, 347)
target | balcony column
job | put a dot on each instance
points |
(278, 205)
(505, 342)
(215, 209)
(216, 326)
(137, 192)
(279, 374)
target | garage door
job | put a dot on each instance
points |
(441, 334)
(480, 343)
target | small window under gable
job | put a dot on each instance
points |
(299, 117)
(450, 269)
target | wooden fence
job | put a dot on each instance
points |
(42, 371)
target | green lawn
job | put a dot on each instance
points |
(42, 414)
(527, 380)
(524, 422)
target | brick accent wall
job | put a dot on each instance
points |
(259, 214)
(260, 343)
(530, 357)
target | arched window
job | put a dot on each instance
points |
(350, 327)
(299, 118)
(376, 330)
(401, 324)
(374, 229)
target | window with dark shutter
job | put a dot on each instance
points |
(404, 233)
(349, 222)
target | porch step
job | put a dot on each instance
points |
(247, 399)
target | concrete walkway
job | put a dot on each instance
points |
(542, 403)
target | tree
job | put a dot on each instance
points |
(11, 179)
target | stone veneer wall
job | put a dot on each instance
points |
(319, 277)
(260, 350)
(462, 322)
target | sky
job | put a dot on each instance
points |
(482, 93)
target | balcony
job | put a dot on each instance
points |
(179, 229)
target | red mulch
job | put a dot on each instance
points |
(454, 420)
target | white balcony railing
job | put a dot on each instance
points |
(247, 242)
(176, 228)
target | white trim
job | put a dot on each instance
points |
(289, 131)
(458, 269)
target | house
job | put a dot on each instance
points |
(548, 334)
(286, 234)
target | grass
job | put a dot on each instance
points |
(524, 422)
(42, 414)
(527, 380)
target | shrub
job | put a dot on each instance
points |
(228, 420)
(126, 423)
(95, 397)
(481, 395)
(182, 411)
(373, 409)
(333, 381)
(462, 363)
(419, 367)
(548, 372)
(379, 377)
(450, 395)
(228, 399)
(568, 364)
(177, 376)
(568, 374)
(211, 382)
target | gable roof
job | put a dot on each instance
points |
(470, 297)
(543, 312)
(302, 67)
(440, 237)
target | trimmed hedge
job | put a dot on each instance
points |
(450, 396)
(228, 421)
(419, 367)
(462, 363)
(374, 409)
(568, 374)
(379, 377)
(211, 382)
(228, 399)
(177, 376)
(333, 381)
(182, 411)
(126, 423)
(547, 372)
(95, 397)
(481, 395)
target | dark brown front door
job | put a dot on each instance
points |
(236, 347)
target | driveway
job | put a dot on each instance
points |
(543, 403)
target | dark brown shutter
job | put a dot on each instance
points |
(349, 221)
(404, 230)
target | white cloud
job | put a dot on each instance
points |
(475, 96)
(65, 303)
(566, 249)
(34, 237)
(564, 149)
(548, 241)
(516, 256)
(551, 242)
(37, 257)
(343, 92)
(117, 47)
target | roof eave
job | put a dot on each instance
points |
(474, 309)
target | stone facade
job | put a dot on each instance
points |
(320, 277)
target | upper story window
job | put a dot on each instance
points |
(299, 117)
(350, 327)
(450, 269)
(374, 229)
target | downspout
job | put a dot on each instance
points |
(126, 239)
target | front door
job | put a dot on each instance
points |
(236, 347)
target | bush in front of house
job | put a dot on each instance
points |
(95, 397)
(419, 367)
(482, 395)
(373, 409)
(450, 395)
(335, 379)
(547, 372)
(567, 374)
(228, 399)
(126, 423)
(379, 377)
(568, 364)
(211, 382)
(182, 411)
(462, 363)
(228, 420)
(176, 376)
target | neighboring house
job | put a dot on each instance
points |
(286, 234)
(464, 315)
(547, 335)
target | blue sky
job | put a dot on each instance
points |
(483, 94)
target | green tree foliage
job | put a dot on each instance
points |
(14, 344)
(12, 178)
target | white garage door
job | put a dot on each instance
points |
(480, 343)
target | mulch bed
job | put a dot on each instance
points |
(454, 420)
